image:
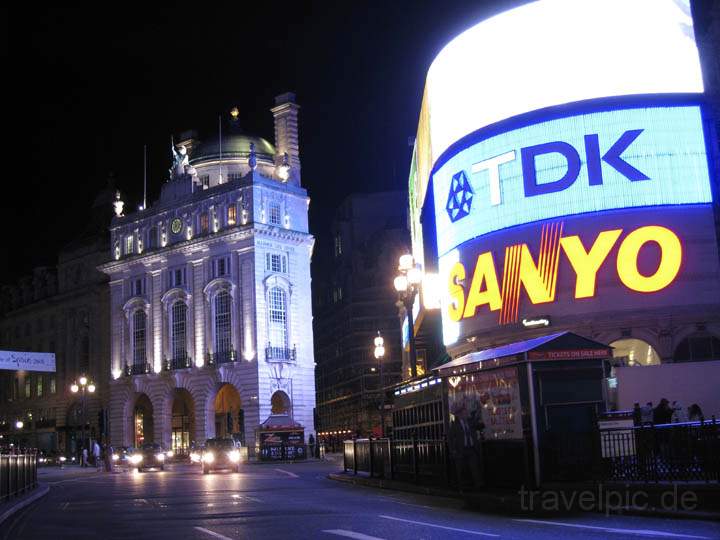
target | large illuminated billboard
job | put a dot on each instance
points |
(561, 161)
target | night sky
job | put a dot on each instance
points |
(93, 85)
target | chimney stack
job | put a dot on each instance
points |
(285, 114)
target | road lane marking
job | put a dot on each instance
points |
(425, 524)
(398, 501)
(211, 533)
(639, 532)
(290, 474)
(351, 534)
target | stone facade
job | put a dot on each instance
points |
(211, 318)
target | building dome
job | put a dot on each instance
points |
(233, 146)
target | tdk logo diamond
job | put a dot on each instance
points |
(460, 197)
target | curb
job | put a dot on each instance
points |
(38, 493)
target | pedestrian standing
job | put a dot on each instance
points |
(637, 414)
(646, 415)
(84, 457)
(96, 455)
(679, 414)
(662, 414)
(695, 413)
(108, 457)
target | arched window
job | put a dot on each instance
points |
(223, 326)
(698, 348)
(634, 352)
(277, 322)
(279, 403)
(178, 337)
(139, 323)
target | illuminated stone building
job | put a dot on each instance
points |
(210, 293)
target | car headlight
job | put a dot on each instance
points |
(63, 458)
(115, 457)
(169, 453)
(160, 456)
(195, 457)
(234, 455)
(208, 457)
(135, 459)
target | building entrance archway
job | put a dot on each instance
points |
(143, 422)
(229, 414)
(183, 421)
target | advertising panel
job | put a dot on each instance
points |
(592, 265)
(27, 361)
(554, 52)
(651, 156)
(486, 403)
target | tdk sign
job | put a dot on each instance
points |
(587, 163)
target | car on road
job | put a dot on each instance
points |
(220, 454)
(149, 456)
(121, 456)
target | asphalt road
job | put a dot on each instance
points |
(292, 501)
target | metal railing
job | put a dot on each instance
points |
(180, 362)
(18, 474)
(280, 353)
(664, 453)
(139, 368)
(224, 357)
(416, 460)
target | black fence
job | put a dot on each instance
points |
(18, 474)
(418, 460)
(688, 452)
(667, 453)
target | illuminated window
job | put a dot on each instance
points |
(39, 387)
(231, 214)
(634, 352)
(178, 336)
(53, 388)
(275, 262)
(338, 245)
(28, 387)
(275, 218)
(205, 181)
(698, 348)
(129, 244)
(223, 337)
(204, 223)
(277, 318)
(139, 322)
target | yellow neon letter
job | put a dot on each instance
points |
(670, 258)
(484, 275)
(538, 289)
(586, 264)
(457, 293)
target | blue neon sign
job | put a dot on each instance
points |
(591, 162)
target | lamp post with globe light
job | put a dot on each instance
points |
(407, 284)
(379, 353)
(82, 386)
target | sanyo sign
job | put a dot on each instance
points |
(648, 156)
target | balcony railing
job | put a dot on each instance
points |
(280, 354)
(139, 368)
(224, 357)
(180, 362)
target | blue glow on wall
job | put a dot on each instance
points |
(586, 163)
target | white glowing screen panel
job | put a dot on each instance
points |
(553, 52)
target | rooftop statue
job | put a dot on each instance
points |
(180, 162)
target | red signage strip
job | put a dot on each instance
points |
(568, 354)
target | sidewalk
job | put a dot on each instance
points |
(559, 499)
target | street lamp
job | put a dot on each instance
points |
(379, 353)
(19, 424)
(407, 284)
(83, 388)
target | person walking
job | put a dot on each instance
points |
(662, 414)
(84, 457)
(637, 414)
(695, 413)
(108, 457)
(678, 414)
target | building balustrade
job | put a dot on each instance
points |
(179, 362)
(223, 357)
(138, 368)
(280, 354)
